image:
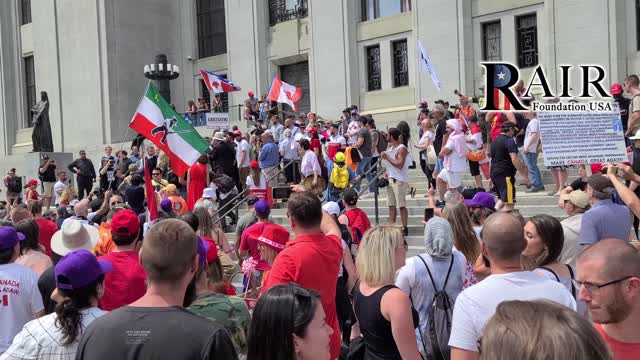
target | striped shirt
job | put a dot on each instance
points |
(41, 339)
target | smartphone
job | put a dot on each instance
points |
(281, 192)
(428, 214)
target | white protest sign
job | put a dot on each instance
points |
(570, 138)
(218, 121)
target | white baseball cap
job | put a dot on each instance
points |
(332, 208)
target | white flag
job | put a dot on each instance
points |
(425, 65)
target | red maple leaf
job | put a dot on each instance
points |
(289, 95)
(216, 84)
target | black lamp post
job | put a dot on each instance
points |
(162, 73)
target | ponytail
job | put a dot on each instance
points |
(69, 318)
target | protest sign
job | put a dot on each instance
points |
(218, 121)
(570, 138)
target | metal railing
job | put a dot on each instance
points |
(241, 197)
(379, 171)
(278, 11)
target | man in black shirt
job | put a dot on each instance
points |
(47, 174)
(156, 326)
(504, 161)
(85, 174)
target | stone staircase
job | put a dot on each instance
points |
(528, 205)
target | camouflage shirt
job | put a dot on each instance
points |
(229, 311)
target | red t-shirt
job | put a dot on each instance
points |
(126, 283)
(620, 350)
(315, 144)
(249, 241)
(312, 261)
(46, 229)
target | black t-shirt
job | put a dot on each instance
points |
(154, 333)
(521, 124)
(48, 175)
(441, 129)
(501, 149)
(579, 184)
(222, 157)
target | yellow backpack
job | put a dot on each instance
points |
(340, 176)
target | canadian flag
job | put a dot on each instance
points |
(217, 83)
(284, 93)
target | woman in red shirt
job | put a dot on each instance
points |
(31, 192)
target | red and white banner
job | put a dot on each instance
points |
(284, 93)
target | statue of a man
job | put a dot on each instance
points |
(41, 135)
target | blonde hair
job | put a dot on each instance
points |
(376, 260)
(464, 237)
(67, 195)
(530, 330)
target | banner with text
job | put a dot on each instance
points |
(218, 121)
(570, 138)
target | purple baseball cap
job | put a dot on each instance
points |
(262, 208)
(482, 199)
(78, 269)
(203, 247)
(9, 237)
(166, 205)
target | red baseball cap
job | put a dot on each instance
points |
(250, 93)
(616, 89)
(237, 133)
(33, 182)
(274, 236)
(125, 223)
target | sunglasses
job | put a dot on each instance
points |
(115, 203)
(154, 174)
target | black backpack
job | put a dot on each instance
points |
(14, 184)
(440, 316)
(382, 141)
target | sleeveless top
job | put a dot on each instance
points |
(378, 338)
(393, 172)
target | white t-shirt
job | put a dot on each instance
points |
(532, 127)
(243, 145)
(477, 304)
(457, 162)
(58, 188)
(352, 130)
(392, 171)
(478, 141)
(428, 135)
(19, 300)
(252, 186)
(309, 164)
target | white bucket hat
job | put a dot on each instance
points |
(74, 235)
(209, 193)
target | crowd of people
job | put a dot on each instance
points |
(87, 273)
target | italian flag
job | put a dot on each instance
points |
(168, 130)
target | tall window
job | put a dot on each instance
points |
(491, 44)
(25, 11)
(30, 88)
(212, 37)
(638, 25)
(373, 68)
(285, 10)
(374, 9)
(400, 63)
(527, 40)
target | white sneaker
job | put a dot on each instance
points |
(365, 194)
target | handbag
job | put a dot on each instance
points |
(383, 183)
(318, 189)
(431, 155)
(355, 155)
(356, 349)
(476, 155)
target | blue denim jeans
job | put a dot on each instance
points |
(534, 173)
(363, 166)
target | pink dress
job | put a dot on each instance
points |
(197, 183)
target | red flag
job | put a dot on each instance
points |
(284, 93)
(152, 205)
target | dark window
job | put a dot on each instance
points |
(491, 45)
(638, 25)
(374, 9)
(30, 88)
(206, 95)
(25, 11)
(373, 68)
(400, 63)
(527, 40)
(285, 10)
(297, 74)
(212, 37)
